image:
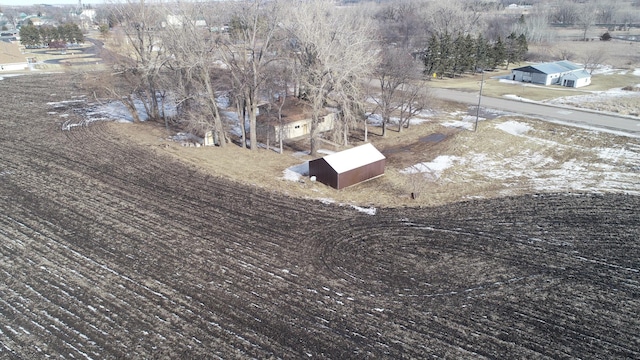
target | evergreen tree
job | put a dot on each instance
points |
(70, 33)
(512, 50)
(460, 54)
(523, 47)
(46, 35)
(63, 34)
(29, 36)
(445, 63)
(498, 54)
(469, 58)
(431, 56)
(481, 58)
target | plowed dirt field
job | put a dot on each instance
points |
(110, 250)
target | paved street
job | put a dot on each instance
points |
(567, 115)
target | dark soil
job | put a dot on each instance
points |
(110, 250)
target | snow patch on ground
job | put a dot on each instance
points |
(8, 76)
(365, 210)
(593, 97)
(514, 127)
(326, 201)
(636, 72)
(374, 119)
(368, 211)
(459, 124)
(548, 167)
(435, 167)
(604, 70)
(516, 97)
(296, 172)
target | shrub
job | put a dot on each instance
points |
(605, 37)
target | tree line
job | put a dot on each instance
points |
(249, 52)
(453, 56)
(192, 54)
(68, 33)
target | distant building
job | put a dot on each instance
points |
(564, 73)
(178, 21)
(518, 9)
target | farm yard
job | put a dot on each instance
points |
(111, 249)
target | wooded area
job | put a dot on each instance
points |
(47, 36)
(204, 57)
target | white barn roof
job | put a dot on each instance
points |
(552, 67)
(353, 158)
(581, 74)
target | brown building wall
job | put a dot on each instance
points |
(323, 172)
(360, 174)
(328, 176)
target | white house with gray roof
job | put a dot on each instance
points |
(563, 73)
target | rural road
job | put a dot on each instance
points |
(566, 115)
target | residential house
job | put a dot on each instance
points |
(291, 121)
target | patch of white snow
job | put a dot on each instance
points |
(296, 172)
(436, 167)
(368, 211)
(514, 127)
(458, 124)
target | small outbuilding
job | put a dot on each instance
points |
(563, 73)
(348, 167)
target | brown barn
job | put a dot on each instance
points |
(348, 167)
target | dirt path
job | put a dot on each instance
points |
(109, 250)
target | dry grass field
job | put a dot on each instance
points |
(556, 153)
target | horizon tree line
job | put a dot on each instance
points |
(270, 50)
(451, 56)
(31, 35)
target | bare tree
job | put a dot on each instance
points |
(498, 26)
(416, 99)
(142, 57)
(565, 12)
(246, 52)
(535, 26)
(585, 18)
(453, 17)
(277, 85)
(565, 53)
(607, 11)
(196, 80)
(594, 57)
(332, 50)
(395, 69)
(400, 24)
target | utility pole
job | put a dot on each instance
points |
(479, 99)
